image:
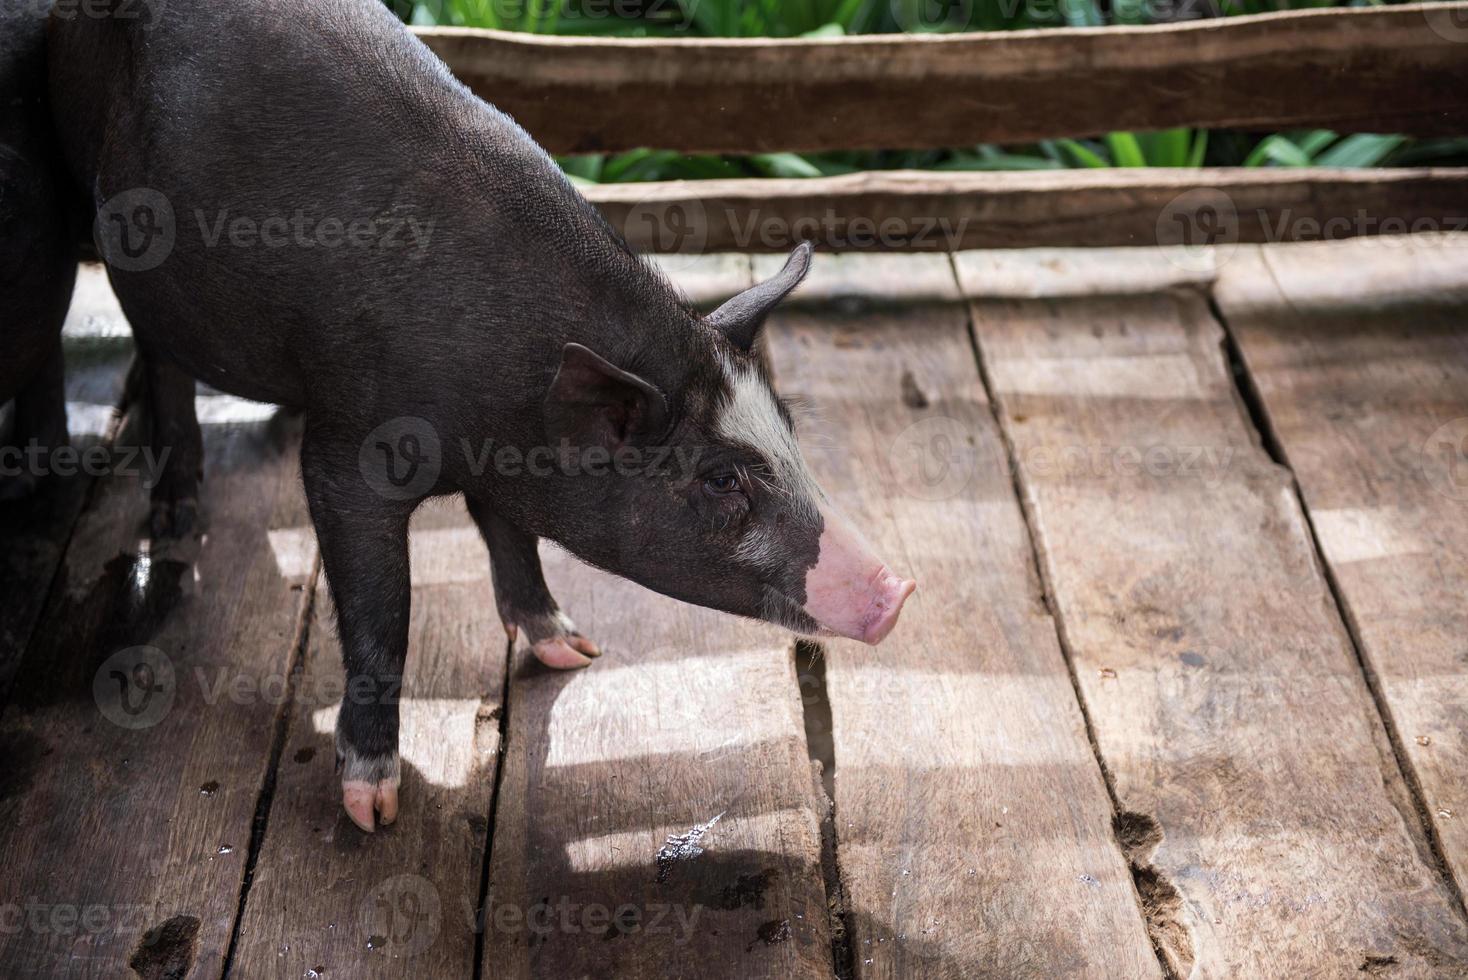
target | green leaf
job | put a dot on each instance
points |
(584, 168)
(1360, 150)
(1083, 155)
(998, 161)
(1312, 141)
(784, 165)
(1165, 148)
(1279, 150)
(1200, 149)
(1125, 151)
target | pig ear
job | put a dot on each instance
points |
(592, 402)
(741, 318)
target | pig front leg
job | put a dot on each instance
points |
(178, 448)
(521, 595)
(364, 550)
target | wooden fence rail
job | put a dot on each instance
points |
(1394, 69)
(924, 211)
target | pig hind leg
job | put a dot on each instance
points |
(177, 445)
(364, 549)
(39, 422)
(521, 595)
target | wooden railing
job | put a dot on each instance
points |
(926, 211)
(1401, 69)
(1397, 69)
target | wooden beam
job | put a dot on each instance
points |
(1396, 69)
(927, 211)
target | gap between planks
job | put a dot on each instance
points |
(1253, 404)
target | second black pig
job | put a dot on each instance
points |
(37, 255)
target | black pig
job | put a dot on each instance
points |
(430, 282)
(37, 253)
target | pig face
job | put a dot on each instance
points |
(733, 518)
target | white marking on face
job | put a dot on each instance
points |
(751, 417)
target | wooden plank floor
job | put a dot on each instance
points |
(1259, 802)
(1364, 383)
(1182, 692)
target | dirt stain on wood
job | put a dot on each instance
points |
(166, 951)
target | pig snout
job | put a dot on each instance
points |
(849, 591)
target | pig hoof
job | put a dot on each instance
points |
(555, 642)
(173, 518)
(369, 788)
(566, 652)
(362, 799)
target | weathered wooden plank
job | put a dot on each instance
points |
(1399, 69)
(1364, 382)
(973, 827)
(922, 211)
(325, 896)
(1269, 827)
(657, 816)
(36, 530)
(140, 724)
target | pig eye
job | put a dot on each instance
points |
(722, 484)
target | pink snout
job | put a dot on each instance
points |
(849, 591)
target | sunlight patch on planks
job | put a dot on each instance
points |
(1351, 534)
(1163, 376)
